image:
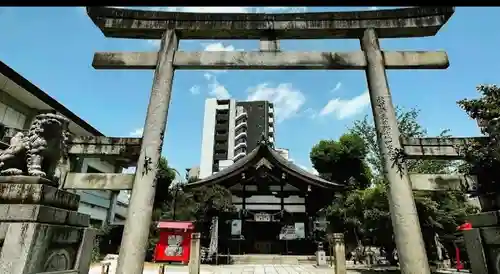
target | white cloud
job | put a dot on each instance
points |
(337, 86)
(216, 89)
(311, 113)
(217, 47)
(130, 170)
(346, 108)
(286, 99)
(195, 90)
(137, 132)
(373, 8)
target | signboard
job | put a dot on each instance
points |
(287, 233)
(300, 232)
(293, 232)
(262, 217)
(236, 227)
(174, 247)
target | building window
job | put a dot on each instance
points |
(223, 102)
(11, 118)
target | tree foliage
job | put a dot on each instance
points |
(174, 202)
(483, 157)
(164, 178)
(439, 212)
(363, 212)
(343, 161)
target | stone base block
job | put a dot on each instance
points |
(31, 248)
(321, 258)
(42, 214)
(41, 194)
(23, 179)
(483, 219)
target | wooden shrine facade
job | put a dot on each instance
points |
(276, 204)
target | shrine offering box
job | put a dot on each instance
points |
(175, 241)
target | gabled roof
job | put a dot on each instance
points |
(264, 151)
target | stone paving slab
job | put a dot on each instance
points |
(231, 269)
(151, 268)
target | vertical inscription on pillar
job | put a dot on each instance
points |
(386, 129)
(396, 155)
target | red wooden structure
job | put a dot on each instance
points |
(175, 241)
(465, 226)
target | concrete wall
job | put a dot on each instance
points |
(16, 114)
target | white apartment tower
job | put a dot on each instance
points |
(231, 129)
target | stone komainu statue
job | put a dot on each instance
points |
(37, 152)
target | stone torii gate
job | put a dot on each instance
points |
(367, 26)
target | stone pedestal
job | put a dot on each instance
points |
(40, 228)
(321, 259)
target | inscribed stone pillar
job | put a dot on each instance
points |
(409, 241)
(135, 236)
(194, 254)
(339, 253)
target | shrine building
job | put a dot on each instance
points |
(276, 204)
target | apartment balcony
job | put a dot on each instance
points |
(244, 133)
(221, 137)
(222, 117)
(271, 120)
(239, 156)
(240, 125)
(220, 147)
(221, 127)
(242, 144)
(271, 129)
(240, 114)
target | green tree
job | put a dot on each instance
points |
(409, 127)
(343, 161)
(164, 178)
(483, 156)
(439, 212)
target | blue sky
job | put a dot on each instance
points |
(53, 48)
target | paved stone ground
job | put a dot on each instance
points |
(150, 268)
(235, 269)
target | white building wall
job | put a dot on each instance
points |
(207, 142)
(230, 141)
